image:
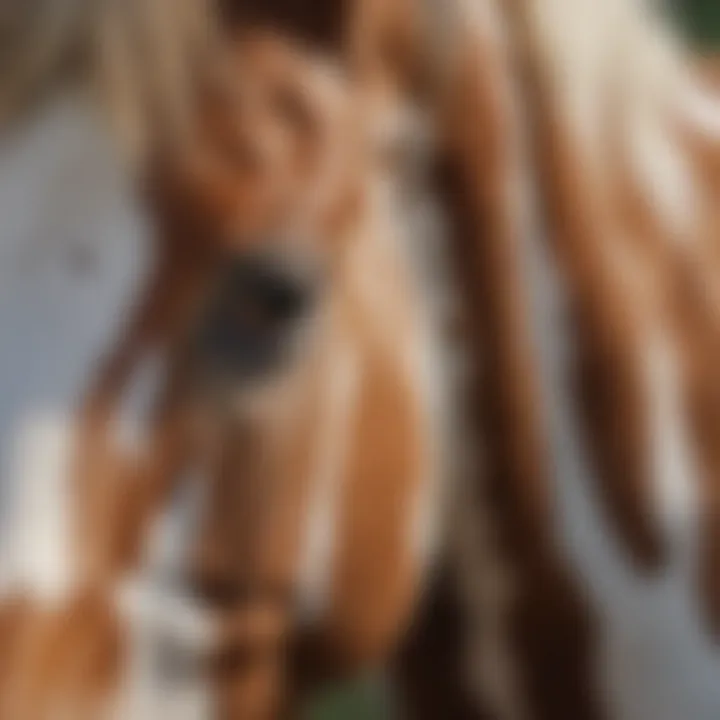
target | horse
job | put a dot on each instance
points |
(529, 616)
(277, 217)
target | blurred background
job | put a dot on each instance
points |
(702, 19)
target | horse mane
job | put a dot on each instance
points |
(138, 58)
(616, 169)
(621, 157)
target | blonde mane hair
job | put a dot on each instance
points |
(626, 155)
(137, 57)
(607, 359)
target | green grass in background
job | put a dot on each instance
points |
(363, 700)
(702, 20)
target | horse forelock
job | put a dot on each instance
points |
(139, 59)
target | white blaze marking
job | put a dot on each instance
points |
(163, 622)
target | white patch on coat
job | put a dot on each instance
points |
(163, 627)
(169, 633)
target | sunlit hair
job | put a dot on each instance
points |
(138, 57)
(628, 195)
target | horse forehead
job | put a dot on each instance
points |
(263, 67)
(279, 121)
